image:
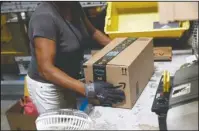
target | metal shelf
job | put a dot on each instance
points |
(195, 37)
(9, 7)
(193, 40)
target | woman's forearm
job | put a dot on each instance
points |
(101, 38)
(58, 77)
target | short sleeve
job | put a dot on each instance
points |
(43, 25)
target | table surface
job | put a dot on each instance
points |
(140, 116)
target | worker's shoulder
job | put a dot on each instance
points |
(43, 10)
(44, 7)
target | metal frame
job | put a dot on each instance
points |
(195, 37)
(12, 89)
(9, 7)
(23, 63)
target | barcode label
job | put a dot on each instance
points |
(181, 90)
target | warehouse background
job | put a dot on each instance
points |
(15, 53)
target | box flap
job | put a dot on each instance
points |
(124, 58)
(16, 108)
(104, 51)
(18, 121)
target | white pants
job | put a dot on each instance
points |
(48, 96)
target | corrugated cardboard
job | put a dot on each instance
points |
(177, 11)
(132, 67)
(18, 121)
(162, 53)
(94, 52)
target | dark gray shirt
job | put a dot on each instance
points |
(70, 38)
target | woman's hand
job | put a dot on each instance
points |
(105, 92)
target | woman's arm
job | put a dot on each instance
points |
(43, 33)
(97, 35)
(45, 50)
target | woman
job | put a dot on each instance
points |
(57, 33)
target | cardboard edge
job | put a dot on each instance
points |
(100, 54)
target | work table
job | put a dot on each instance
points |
(140, 116)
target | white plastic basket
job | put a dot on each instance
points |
(63, 119)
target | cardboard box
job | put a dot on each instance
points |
(177, 11)
(93, 52)
(19, 121)
(162, 53)
(124, 61)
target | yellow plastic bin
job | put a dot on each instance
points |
(5, 34)
(136, 19)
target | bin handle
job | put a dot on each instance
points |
(109, 21)
(108, 14)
